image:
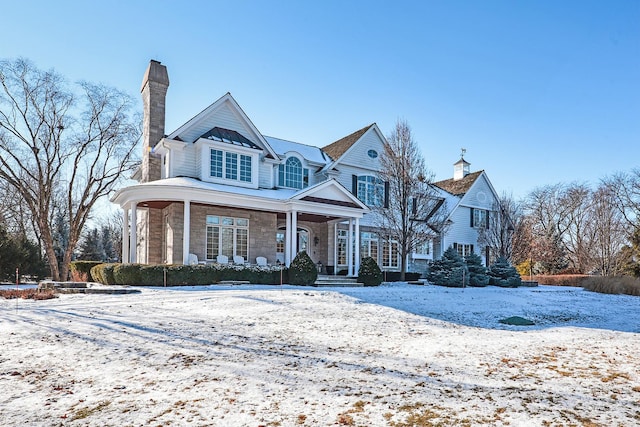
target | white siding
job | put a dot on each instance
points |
(357, 154)
(197, 156)
(460, 230)
(224, 117)
(480, 196)
(184, 162)
(266, 175)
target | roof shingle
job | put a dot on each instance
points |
(338, 148)
(459, 187)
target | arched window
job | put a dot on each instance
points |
(370, 190)
(292, 174)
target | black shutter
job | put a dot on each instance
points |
(386, 194)
(487, 224)
(414, 207)
(471, 223)
(354, 185)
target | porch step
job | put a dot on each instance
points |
(337, 281)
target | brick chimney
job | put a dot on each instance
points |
(154, 90)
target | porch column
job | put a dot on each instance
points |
(125, 234)
(294, 234)
(186, 231)
(357, 248)
(287, 240)
(133, 234)
(335, 248)
(350, 248)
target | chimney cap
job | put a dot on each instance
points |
(156, 72)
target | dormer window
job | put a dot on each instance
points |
(292, 174)
(235, 167)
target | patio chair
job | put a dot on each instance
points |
(193, 259)
(261, 261)
(222, 259)
(237, 259)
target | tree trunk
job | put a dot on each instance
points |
(51, 256)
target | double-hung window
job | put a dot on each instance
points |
(370, 190)
(479, 218)
(369, 245)
(227, 236)
(463, 249)
(390, 254)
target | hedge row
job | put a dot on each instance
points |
(181, 275)
(559, 279)
(613, 285)
(81, 270)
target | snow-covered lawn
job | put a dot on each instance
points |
(396, 355)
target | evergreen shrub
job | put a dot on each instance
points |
(450, 270)
(369, 272)
(302, 270)
(103, 273)
(81, 270)
(502, 273)
(185, 275)
(477, 272)
(127, 274)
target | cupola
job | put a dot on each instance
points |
(461, 167)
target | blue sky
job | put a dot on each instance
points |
(538, 92)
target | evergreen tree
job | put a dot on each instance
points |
(503, 274)
(91, 247)
(477, 272)
(108, 244)
(450, 270)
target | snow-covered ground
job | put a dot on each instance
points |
(395, 355)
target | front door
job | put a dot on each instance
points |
(303, 240)
(302, 243)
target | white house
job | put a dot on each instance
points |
(217, 186)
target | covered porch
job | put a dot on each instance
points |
(176, 220)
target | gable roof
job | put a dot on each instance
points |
(336, 149)
(205, 121)
(459, 187)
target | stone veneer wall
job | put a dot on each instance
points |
(262, 231)
(155, 242)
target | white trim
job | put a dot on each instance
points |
(125, 235)
(294, 235)
(133, 235)
(287, 240)
(357, 247)
(186, 231)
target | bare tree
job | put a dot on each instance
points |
(546, 219)
(627, 192)
(609, 231)
(576, 226)
(64, 144)
(412, 215)
(498, 236)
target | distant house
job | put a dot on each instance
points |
(470, 200)
(218, 188)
